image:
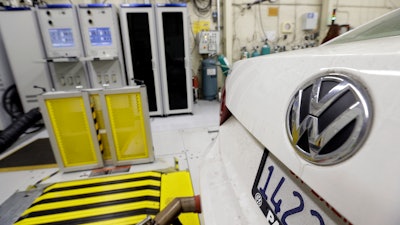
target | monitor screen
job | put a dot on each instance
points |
(100, 36)
(61, 37)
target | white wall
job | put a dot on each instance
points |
(356, 12)
(249, 31)
(252, 26)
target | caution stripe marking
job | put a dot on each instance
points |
(99, 182)
(149, 199)
(60, 198)
(65, 202)
(97, 200)
(68, 220)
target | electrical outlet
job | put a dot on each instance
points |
(287, 28)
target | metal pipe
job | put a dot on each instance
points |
(280, 4)
(218, 15)
(176, 207)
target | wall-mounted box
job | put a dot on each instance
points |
(310, 21)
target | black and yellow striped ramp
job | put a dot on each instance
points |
(122, 199)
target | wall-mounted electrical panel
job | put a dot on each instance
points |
(138, 30)
(60, 29)
(156, 46)
(101, 40)
(23, 48)
(62, 42)
(208, 42)
(310, 21)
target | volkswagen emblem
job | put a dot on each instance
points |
(328, 118)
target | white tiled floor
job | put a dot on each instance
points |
(181, 137)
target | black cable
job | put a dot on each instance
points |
(202, 9)
(205, 8)
(12, 103)
(137, 81)
(18, 127)
(37, 127)
(249, 5)
(41, 88)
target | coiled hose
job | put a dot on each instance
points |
(11, 134)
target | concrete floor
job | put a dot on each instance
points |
(178, 137)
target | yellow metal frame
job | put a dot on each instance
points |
(126, 119)
(70, 123)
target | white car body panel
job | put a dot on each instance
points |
(227, 186)
(365, 188)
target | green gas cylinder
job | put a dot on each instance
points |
(255, 52)
(265, 50)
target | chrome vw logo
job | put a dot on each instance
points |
(328, 119)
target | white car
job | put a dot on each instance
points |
(312, 138)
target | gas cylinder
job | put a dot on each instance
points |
(245, 54)
(265, 50)
(209, 78)
(255, 52)
(223, 62)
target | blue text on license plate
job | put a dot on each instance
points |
(284, 199)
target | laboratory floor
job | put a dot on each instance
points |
(178, 140)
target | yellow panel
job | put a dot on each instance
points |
(273, 11)
(71, 130)
(127, 125)
(201, 25)
(178, 184)
(95, 98)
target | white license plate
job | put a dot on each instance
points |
(286, 200)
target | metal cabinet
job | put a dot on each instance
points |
(101, 40)
(140, 48)
(157, 52)
(63, 46)
(172, 30)
(25, 55)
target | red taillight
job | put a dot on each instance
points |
(224, 112)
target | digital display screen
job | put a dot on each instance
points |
(61, 37)
(100, 36)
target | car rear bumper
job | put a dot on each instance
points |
(227, 176)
